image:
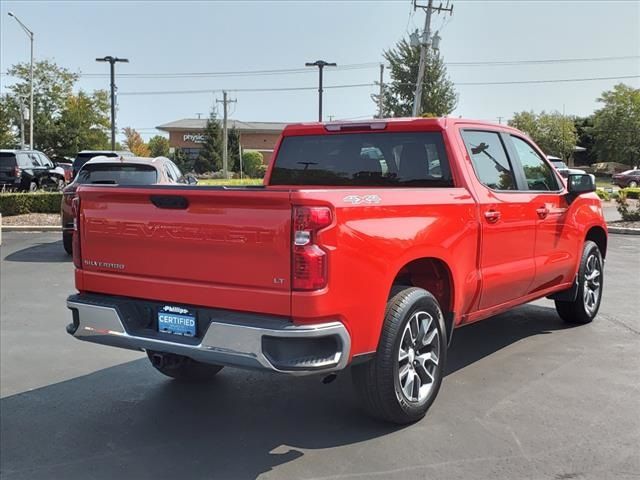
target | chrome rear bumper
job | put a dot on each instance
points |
(280, 347)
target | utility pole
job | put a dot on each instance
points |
(500, 120)
(320, 64)
(425, 43)
(30, 34)
(112, 62)
(225, 137)
(380, 98)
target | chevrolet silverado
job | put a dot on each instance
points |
(367, 245)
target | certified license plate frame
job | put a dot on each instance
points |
(179, 321)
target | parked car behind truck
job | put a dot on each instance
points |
(368, 244)
(29, 170)
(107, 170)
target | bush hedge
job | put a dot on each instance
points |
(633, 193)
(21, 203)
(603, 194)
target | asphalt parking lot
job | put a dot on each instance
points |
(525, 397)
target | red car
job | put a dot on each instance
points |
(116, 171)
(630, 178)
(367, 245)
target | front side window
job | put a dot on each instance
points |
(489, 159)
(537, 172)
(363, 159)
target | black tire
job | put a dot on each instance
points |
(633, 184)
(67, 242)
(182, 368)
(581, 310)
(378, 382)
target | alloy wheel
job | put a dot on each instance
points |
(418, 356)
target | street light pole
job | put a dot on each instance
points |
(30, 34)
(320, 64)
(112, 62)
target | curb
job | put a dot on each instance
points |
(31, 228)
(623, 230)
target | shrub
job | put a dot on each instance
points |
(261, 171)
(21, 203)
(633, 193)
(603, 194)
(251, 162)
(628, 213)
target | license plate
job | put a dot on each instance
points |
(177, 321)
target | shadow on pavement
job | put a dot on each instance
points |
(478, 340)
(127, 421)
(51, 252)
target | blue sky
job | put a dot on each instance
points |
(216, 36)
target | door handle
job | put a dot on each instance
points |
(492, 216)
(542, 212)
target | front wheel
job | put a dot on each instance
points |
(402, 381)
(182, 368)
(590, 283)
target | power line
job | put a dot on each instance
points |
(359, 85)
(346, 67)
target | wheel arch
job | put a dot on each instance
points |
(434, 275)
(598, 235)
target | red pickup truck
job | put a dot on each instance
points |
(367, 245)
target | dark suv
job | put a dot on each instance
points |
(85, 155)
(28, 170)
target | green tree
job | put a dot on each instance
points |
(251, 162)
(439, 97)
(584, 132)
(52, 85)
(134, 142)
(616, 126)
(159, 146)
(8, 138)
(554, 133)
(83, 123)
(233, 148)
(210, 158)
(182, 161)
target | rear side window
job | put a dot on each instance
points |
(489, 159)
(363, 159)
(7, 159)
(537, 172)
(117, 174)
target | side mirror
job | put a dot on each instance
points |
(581, 183)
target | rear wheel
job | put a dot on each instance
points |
(633, 184)
(590, 282)
(402, 381)
(182, 368)
(67, 242)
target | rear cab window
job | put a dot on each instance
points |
(117, 174)
(390, 159)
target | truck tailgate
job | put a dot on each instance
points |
(225, 248)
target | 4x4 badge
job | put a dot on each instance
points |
(358, 199)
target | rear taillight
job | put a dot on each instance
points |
(309, 260)
(17, 172)
(77, 257)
